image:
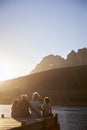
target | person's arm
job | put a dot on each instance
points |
(42, 108)
(50, 110)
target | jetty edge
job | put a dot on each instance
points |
(44, 123)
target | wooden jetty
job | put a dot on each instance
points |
(48, 123)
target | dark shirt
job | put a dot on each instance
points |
(24, 106)
(15, 109)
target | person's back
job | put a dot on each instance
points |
(15, 108)
(36, 105)
(46, 108)
(24, 106)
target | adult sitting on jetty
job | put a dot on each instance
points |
(24, 106)
(20, 108)
(36, 104)
(15, 108)
(46, 108)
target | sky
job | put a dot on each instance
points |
(33, 29)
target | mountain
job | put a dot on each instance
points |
(73, 59)
(79, 58)
(64, 86)
(63, 80)
(50, 62)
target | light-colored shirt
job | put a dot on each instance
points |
(37, 106)
(46, 108)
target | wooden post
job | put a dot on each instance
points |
(57, 125)
(44, 123)
(2, 116)
(23, 125)
(56, 118)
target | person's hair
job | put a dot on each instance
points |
(15, 101)
(24, 96)
(35, 96)
(46, 100)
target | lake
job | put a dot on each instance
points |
(69, 118)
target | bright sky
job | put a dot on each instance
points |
(33, 29)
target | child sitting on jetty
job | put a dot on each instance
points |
(46, 108)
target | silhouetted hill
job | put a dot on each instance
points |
(65, 86)
(73, 59)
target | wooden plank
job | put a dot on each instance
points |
(6, 123)
(9, 123)
(27, 123)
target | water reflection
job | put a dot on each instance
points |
(69, 118)
(72, 118)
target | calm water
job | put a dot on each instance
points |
(69, 118)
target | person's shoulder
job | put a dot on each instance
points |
(44, 104)
(24, 102)
(27, 102)
(38, 102)
(32, 102)
(49, 105)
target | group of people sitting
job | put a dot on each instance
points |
(34, 108)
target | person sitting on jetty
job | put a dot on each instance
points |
(46, 108)
(21, 108)
(15, 108)
(24, 106)
(36, 104)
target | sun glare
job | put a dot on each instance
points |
(6, 70)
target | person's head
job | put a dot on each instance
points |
(24, 97)
(35, 96)
(46, 100)
(15, 101)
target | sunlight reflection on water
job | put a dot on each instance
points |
(6, 110)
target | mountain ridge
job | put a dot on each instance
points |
(55, 61)
(65, 85)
